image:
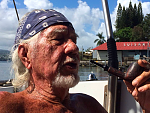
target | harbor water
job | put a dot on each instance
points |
(83, 72)
(5, 70)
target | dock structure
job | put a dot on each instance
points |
(121, 64)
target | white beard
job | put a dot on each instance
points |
(68, 81)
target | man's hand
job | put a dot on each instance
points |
(140, 86)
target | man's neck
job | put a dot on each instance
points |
(50, 93)
(43, 88)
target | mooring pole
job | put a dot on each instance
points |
(112, 61)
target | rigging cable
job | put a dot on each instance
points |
(16, 10)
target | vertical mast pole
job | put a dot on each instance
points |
(112, 60)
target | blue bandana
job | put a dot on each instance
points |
(37, 21)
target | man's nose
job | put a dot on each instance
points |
(71, 47)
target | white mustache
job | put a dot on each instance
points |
(74, 60)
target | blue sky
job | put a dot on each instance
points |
(85, 15)
(72, 3)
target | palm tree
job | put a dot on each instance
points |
(101, 39)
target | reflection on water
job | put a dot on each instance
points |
(99, 72)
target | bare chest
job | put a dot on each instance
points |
(43, 107)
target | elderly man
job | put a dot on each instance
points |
(45, 59)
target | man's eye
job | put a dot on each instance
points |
(58, 41)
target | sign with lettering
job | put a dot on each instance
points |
(135, 44)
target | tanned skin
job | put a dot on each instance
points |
(55, 52)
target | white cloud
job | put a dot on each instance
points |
(81, 17)
(3, 4)
(102, 29)
(145, 7)
(38, 4)
(8, 25)
(86, 20)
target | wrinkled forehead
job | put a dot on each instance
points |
(59, 29)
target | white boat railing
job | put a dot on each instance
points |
(7, 88)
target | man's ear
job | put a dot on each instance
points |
(23, 54)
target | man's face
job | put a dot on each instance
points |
(56, 55)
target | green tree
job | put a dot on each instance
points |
(135, 18)
(123, 35)
(128, 23)
(146, 26)
(124, 20)
(100, 40)
(140, 13)
(137, 34)
(130, 15)
(118, 18)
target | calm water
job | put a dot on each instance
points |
(5, 70)
(83, 72)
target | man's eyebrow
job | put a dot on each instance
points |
(60, 30)
(57, 31)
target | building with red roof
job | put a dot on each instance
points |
(124, 50)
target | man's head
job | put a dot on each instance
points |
(46, 47)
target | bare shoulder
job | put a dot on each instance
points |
(9, 102)
(4, 95)
(4, 98)
(87, 102)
